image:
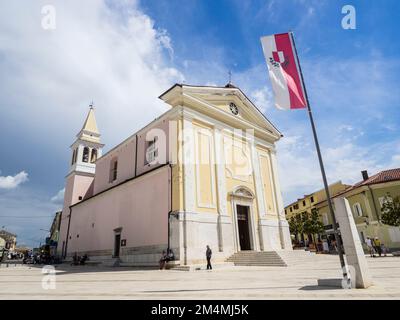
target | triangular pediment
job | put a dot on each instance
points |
(210, 99)
(239, 108)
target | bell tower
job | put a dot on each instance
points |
(80, 178)
(87, 147)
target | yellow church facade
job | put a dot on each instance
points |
(203, 173)
(228, 193)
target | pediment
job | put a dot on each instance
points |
(211, 99)
(244, 109)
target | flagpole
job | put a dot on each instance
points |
(321, 164)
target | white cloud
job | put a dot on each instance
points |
(25, 212)
(106, 51)
(11, 182)
(300, 172)
(262, 98)
(59, 197)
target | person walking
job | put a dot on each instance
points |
(163, 260)
(208, 256)
(384, 250)
(377, 246)
(370, 247)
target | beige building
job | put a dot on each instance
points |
(310, 201)
(366, 199)
(9, 240)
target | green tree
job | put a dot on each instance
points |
(391, 211)
(295, 227)
(296, 224)
(312, 224)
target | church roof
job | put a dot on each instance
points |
(90, 124)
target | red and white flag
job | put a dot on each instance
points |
(284, 71)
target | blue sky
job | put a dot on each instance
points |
(123, 54)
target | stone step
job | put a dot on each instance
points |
(254, 258)
(298, 257)
(256, 264)
(198, 267)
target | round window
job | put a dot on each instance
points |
(234, 108)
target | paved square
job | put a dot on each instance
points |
(297, 281)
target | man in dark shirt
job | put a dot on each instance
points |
(208, 256)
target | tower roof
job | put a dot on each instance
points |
(90, 124)
(89, 131)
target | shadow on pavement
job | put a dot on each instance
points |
(317, 287)
(67, 268)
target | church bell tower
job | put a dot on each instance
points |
(87, 147)
(80, 179)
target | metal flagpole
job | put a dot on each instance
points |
(321, 164)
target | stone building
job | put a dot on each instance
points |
(203, 173)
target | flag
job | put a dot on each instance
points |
(284, 71)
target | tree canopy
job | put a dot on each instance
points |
(391, 211)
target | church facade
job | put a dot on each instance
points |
(203, 173)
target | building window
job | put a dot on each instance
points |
(113, 170)
(85, 157)
(73, 157)
(304, 203)
(312, 199)
(296, 206)
(151, 151)
(93, 156)
(291, 209)
(357, 210)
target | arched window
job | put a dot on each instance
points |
(113, 169)
(93, 157)
(85, 157)
(73, 157)
(76, 155)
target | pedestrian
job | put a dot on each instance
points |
(334, 246)
(377, 246)
(370, 247)
(163, 259)
(384, 250)
(325, 246)
(170, 255)
(208, 256)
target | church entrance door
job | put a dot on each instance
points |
(243, 226)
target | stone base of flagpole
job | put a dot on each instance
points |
(336, 283)
(357, 269)
(355, 257)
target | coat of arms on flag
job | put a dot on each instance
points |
(284, 71)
